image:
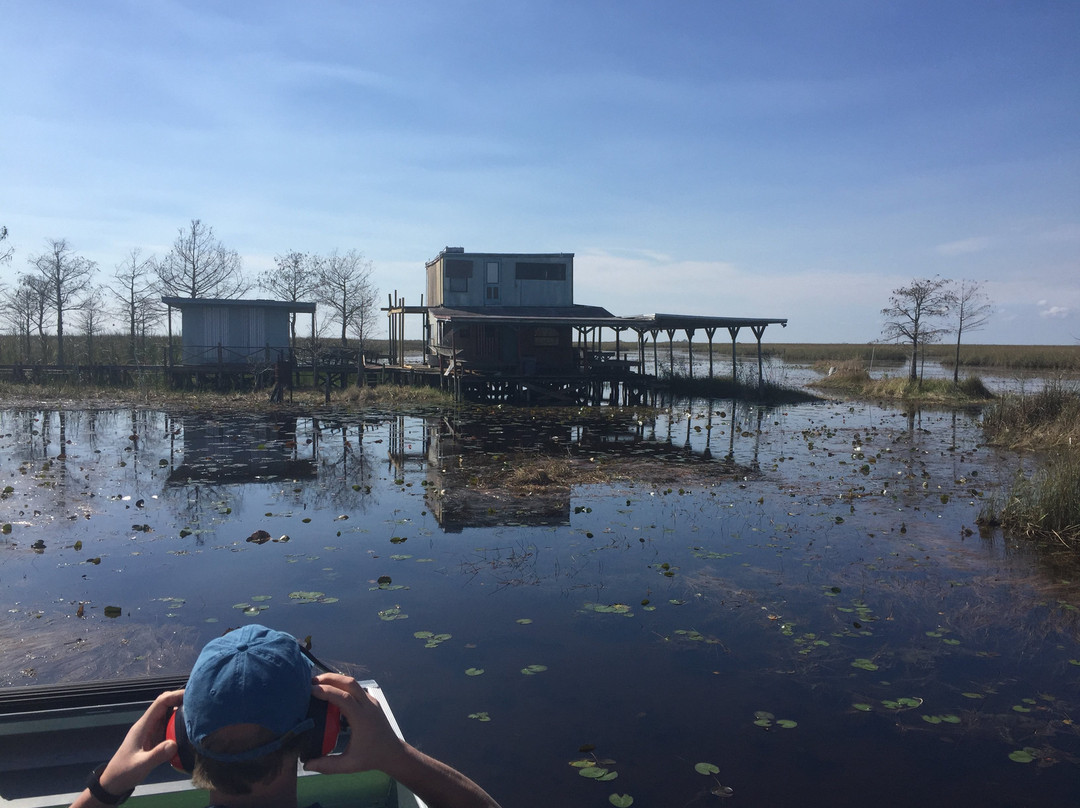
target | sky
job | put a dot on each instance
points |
(797, 159)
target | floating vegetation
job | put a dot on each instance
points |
(431, 639)
(766, 720)
(480, 716)
(1026, 755)
(311, 597)
(474, 671)
(706, 768)
(609, 608)
(621, 800)
(523, 621)
(864, 664)
(905, 703)
(532, 670)
(941, 719)
(696, 636)
(393, 613)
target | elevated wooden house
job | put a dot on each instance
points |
(510, 313)
(505, 327)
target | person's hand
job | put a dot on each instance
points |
(372, 741)
(144, 748)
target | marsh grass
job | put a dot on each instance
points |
(1044, 420)
(851, 378)
(1046, 502)
(70, 393)
(769, 393)
(1064, 358)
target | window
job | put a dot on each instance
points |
(530, 271)
(457, 274)
(491, 291)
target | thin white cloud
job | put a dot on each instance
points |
(1055, 313)
(964, 246)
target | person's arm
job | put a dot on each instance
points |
(374, 745)
(143, 750)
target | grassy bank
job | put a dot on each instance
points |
(1045, 503)
(71, 394)
(682, 385)
(852, 379)
(1062, 358)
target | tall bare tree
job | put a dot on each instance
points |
(18, 309)
(293, 278)
(5, 252)
(971, 310)
(136, 297)
(90, 316)
(913, 313)
(345, 287)
(201, 266)
(66, 276)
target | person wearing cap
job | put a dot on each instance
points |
(245, 715)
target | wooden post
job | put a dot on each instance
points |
(734, 331)
(690, 349)
(709, 333)
(671, 350)
(759, 330)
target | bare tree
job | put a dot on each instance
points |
(5, 252)
(293, 278)
(200, 266)
(971, 310)
(136, 297)
(66, 276)
(912, 313)
(90, 317)
(345, 287)
(18, 312)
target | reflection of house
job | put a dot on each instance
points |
(505, 312)
(230, 332)
(240, 450)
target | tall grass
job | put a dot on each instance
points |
(851, 378)
(1044, 420)
(718, 387)
(1047, 502)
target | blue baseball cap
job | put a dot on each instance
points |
(253, 675)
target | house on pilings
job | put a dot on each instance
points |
(505, 327)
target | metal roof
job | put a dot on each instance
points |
(188, 302)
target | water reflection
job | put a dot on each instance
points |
(743, 559)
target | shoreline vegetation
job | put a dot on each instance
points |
(1046, 502)
(851, 378)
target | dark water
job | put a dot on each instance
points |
(739, 563)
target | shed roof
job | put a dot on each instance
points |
(189, 302)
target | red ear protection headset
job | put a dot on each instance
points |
(318, 741)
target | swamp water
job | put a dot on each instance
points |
(719, 604)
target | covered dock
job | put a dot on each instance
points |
(608, 357)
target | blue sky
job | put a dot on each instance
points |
(791, 159)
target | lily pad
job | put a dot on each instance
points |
(474, 671)
(864, 664)
(481, 716)
(621, 800)
(706, 768)
(1021, 756)
(532, 670)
